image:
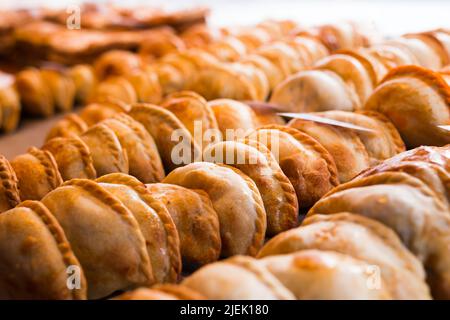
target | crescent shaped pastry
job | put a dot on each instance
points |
(363, 239)
(237, 278)
(9, 192)
(107, 153)
(256, 77)
(432, 40)
(116, 63)
(326, 275)
(344, 145)
(410, 208)
(10, 109)
(35, 256)
(155, 223)
(175, 144)
(72, 157)
(425, 55)
(312, 48)
(314, 90)
(146, 86)
(376, 68)
(70, 125)
(112, 89)
(37, 173)
(84, 79)
(384, 142)
(61, 87)
(269, 69)
(236, 200)
(256, 161)
(416, 100)
(196, 221)
(308, 165)
(93, 113)
(142, 153)
(194, 112)
(104, 236)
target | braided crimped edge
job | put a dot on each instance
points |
(62, 243)
(173, 241)
(251, 265)
(9, 182)
(207, 205)
(313, 145)
(109, 200)
(139, 130)
(179, 291)
(48, 162)
(261, 217)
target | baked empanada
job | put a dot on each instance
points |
(266, 114)
(9, 192)
(156, 225)
(146, 86)
(236, 199)
(273, 75)
(112, 89)
(36, 260)
(104, 236)
(10, 108)
(37, 173)
(283, 56)
(363, 239)
(93, 113)
(116, 63)
(238, 278)
(69, 126)
(256, 161)
(196, 221)
(61, 87)
(85, 80)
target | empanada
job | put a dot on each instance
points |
(236, 199)
(116, 63)
(196, 221)
(112, 89)
(61, 87)
(9, 192)
(67, 127)
(10, 108)
(37, 173)
(95, 112)
(266, 114)
(104, 236)
(85, 80)
(36, 260)
(146, 86)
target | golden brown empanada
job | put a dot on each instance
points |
(9, 192)
(116, 63)
(417, 101)
(93, 113)
(156, 225)
(37, 173)
(345, 146)
(61, 87)
(236, 200)
(237, 278)
(326, 275)
(146, 86)
(72, 156)
(196, 221)
(85, 80)
(409, 207)
(266, 114)
(270, 70)
(256, 77)
(391, 56)
(308, 165)
(36, 260)
(360, 238)
(108, 154)
(112, 89)
(256, 161)
(283, 56)
(104, 236)
(175, 144)
(67, 127)
(10, 108)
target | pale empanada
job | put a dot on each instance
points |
(36, 260)
(345, 146)
(37, 173)
(175, 144)
(196, 221)
(237, 278)
(104, 236)
(256, 161)
(410, 208)
(67, 127)
(360, 238)
(326, 275)
(107, 153)
(308, 165)
(157, 227)
(143, 157)
(73, 158)
(417, 101)
(236, 199)
(391, 56)
(9, 192)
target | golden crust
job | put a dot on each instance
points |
(61, 87)
(95, 112)
(84, 78)
(179, 291)
(10, 108)
(145, 294)
(115, 88)
(9, 192)
(67, 127)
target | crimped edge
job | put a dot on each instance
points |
(48, 162)
(8, 180)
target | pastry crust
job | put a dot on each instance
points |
(162, 125)
(237, 278)
(156, 225)
(112, 89)
(325, 275)
(236, 200)
(104, 235)
(266, 114)
(363, 239)
(37, 173)
(36, 256)
(95, 112)
(9, 191)
(409, 207)
(196, 221)
(67, 127)
(349, 153)
(61, 87)
(73, 158)
(107, 153)
(116, 63)
(10, 108)
(146, 86)
(256, 161)
(84, 79)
